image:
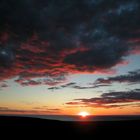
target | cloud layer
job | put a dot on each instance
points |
(32, 111)
(54, 38)
(111, 99)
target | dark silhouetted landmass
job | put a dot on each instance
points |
(35, 127)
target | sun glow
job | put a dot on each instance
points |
(83, 114)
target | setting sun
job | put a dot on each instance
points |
(84, 114)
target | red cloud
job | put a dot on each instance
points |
(35, 58)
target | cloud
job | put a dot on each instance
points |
(54, 109)
(131, 77)
(110, 100)
(56, 38)
(53, 88)
(78, 104)
(32, 111)
(68, 85)
(51, 81)
(90, 87)
(46, 108)
(30, 83)
(76, 86)
(3, 85)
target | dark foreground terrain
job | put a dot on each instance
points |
(23, 127)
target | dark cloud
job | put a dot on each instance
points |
(90, 87)
(131, 77)
(68, 85)
(3, 108)
(79, 104)
(46, 108)
(54, 38)
(81, 87)
(31, 83)
(76, 86)
(32, 111)
(3, 85)
(109, 100)
(54, 109)
(53, 88)
(51, 81)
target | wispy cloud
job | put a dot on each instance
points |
(77, 86)
(68, 85)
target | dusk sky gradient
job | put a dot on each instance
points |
(66, 56)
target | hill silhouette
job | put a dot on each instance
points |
(51, 128)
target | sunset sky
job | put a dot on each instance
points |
(67, 56)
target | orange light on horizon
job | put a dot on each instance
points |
(83, 114)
